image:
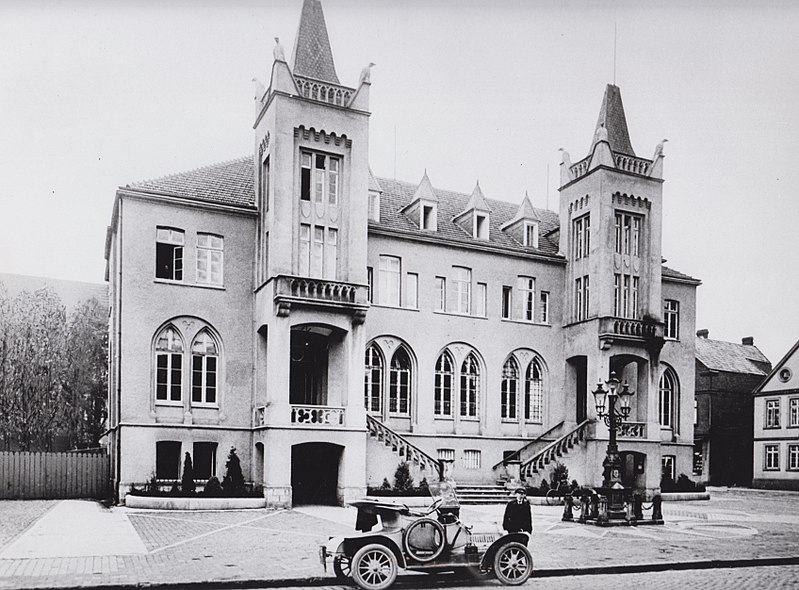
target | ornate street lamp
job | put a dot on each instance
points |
(613, 416)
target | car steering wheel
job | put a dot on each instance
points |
(435, 505)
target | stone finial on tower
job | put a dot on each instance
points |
(312, 56)
(277, 52)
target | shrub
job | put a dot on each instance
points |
(213, 488)
(233, 482)
(385, 486)
(683, 484)
(560, 475)
(544, 487)
(424, 487)
(402, 477)
(187, 482)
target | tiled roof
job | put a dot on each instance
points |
(611, 114)
(731, 357)
(227, 183)
(312, 56)
(397, 194)
(675, 274)
(70, 292)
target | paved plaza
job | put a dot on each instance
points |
(80, 543)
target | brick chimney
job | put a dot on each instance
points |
(748, 341)
(702, 333)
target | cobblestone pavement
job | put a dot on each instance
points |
(18, 515)
(186, 547)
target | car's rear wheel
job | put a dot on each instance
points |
(342, 567)
(513, 564)
(374, 567)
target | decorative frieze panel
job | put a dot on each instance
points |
(321, 136)
(317, 415)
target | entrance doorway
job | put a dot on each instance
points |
(579, 366)
(314, 473)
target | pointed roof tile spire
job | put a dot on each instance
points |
(312, 56)
(425, 190)
(526, 210)
(477, 200)
(611, 116)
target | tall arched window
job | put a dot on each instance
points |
(510, 381)
(373, 380)
(443, 386)
(470, 386)
(204, 361)
(399, 392)
(534, 393)
(667, 398)
(169, 365)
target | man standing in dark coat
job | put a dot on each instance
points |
(517, 514)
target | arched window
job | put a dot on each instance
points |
(668, 390)
(169, 365)
(510, 383)
(204, 367)
(534, 393)
(373, 380)
(443, 386)
(470, 386)
(399, 391)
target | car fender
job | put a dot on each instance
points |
(488, 557)
(351, 545)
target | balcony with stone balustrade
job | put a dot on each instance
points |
(290, 291)
(643, 332)
(302, 415)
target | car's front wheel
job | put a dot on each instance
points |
(513, 564)
(374, 567)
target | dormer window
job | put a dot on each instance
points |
(531, 235)
(480, 226)
(428, 217)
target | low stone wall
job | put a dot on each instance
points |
(685, 496)
(172, 503)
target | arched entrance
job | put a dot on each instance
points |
(314, 473)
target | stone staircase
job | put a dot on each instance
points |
(555, 450)
(482, 494)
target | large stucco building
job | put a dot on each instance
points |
(328, 323)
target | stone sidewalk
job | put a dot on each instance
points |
(50, 544)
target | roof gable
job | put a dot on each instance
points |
(778, 378)
(730, 357)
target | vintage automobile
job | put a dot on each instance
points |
(432, 540)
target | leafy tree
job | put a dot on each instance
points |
(187, 481)
(233, 482)
(402, 477)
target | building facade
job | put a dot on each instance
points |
(776, 426)
(329, 324)
(726, 375)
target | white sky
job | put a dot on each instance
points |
(94, 95)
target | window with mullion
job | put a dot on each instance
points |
(204, 370)
(463, 289)
(793, 412)
(666, 400)
(169, 366)
(210, 256)
(400, 383)
(671, 316)
(510, 381)
(534, 393)
(443, 385)
(793, 457)
(373, 380)
(169, 254)
(773, 413)
(772, 462)
(470, 387)
(389, 285)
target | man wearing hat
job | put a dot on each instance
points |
(517, 514)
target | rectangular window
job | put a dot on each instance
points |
(169, 371)
(412, 290)
(203, 379)
(317, 251)
(507, 302)
(699, 461)
(305, 176)
(446, 454)
(167, 459)
(471, 459)
(581, 237)
(628, 234)
(374, 206)
(634, 299)
(331, 254)
(772, 413)
(210, 257)
(264, 186)
(389, 285)
(625, 296)
(526, 288)
(441, 294)
(793, 412)
(204, 460)
(793, 457)
(481, 289)
(370, 283)
(618, 244)
(636, 233)
(671, 316)
(463, 289)
(481, 227)
(617, 295)
(305, 249)
(429, 217)
(586, 297)
(581, 298)
(169, 254)
(531, 235)
(772, 459)
(544, 307)
(668, 471)
(332, 180)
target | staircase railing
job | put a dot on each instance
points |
(517, 454)
(401, 445)
(554, 449)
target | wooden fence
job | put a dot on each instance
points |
(28, 476)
